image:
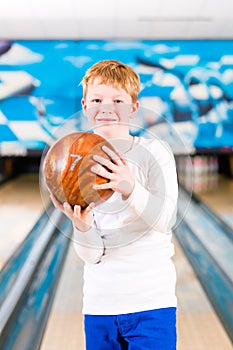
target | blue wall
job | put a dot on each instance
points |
(188, 83)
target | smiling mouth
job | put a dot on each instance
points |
(106, 120)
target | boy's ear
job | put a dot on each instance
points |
(83, 103)
(84, 106)
(134, 110)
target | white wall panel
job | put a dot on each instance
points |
(147, 19)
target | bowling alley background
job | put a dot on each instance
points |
(187, 84)
(186, 99)
(190, 83)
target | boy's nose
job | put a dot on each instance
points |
(107, 109)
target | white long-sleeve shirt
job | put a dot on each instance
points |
(127, 253)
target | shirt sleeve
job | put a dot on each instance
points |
(88, 245)
(156, 202)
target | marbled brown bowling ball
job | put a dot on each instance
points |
(67, 169)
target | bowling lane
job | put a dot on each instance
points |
(198, 326)
(20, 208)
(65, 324)
(219, 198)
(204, 179)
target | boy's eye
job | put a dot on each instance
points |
(96, 100)
(118, 101)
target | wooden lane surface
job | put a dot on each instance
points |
(20, 208)
(220, 198)
(197, 324)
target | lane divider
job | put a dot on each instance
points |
(29, 298)
(207, 242)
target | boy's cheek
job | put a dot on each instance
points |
(90, 113)
(125, 111)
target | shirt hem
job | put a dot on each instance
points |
(127, 310)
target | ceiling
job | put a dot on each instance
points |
(116, 19)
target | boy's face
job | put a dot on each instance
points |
(107, 106)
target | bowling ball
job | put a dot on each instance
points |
(67, 169)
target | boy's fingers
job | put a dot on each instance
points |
(56, 203)
(77, 209)
(106, 162)
(102, 172)
(67, 209)
(91, 206)
(113, 155)
(105, 186)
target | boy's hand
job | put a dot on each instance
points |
(117, 171)
(81, 219)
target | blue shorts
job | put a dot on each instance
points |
(147, 330)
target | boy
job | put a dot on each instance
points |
(129, 278)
